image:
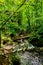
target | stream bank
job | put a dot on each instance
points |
(26, 58)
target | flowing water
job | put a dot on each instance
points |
(26, 57)
(31, 58)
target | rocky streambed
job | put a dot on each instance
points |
(26, 58)
(31, 58)
(28, 54)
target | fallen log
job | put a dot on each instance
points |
(21, 37)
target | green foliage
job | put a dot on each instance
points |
(26, 17)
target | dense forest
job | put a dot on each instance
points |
(21, 25)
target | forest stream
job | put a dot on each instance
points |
(31, 58)
(27, 57)
(21, 32)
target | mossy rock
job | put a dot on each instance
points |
(41, 49)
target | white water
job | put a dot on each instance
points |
(28, 58)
